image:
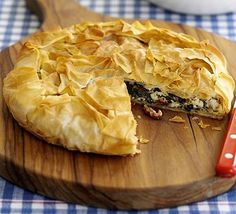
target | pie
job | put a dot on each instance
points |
(74, 86)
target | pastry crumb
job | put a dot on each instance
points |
(200, 122)
(143, 140)
(202, 125)
(216, 128)
(139, 117)
(138, 151)
(177, 119)
(185, 126)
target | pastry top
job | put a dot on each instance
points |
(68, 84)
(176, 62)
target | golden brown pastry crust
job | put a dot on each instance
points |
(68, 84)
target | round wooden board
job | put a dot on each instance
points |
(176, 167)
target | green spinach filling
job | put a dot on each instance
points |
(154, 96)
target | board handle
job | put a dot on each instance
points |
(62, 13)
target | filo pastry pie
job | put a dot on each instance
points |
(73, 87)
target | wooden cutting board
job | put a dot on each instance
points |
(176, 167)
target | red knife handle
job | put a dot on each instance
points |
(226, 165)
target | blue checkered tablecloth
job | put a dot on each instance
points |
(16, 22)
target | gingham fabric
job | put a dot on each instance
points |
(16, 22)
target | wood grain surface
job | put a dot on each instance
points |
(176, 167)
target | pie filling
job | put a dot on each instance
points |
(156, 97)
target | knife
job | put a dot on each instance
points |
(226, 165)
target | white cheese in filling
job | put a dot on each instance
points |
(157, 94)
(213, 104)
(174, 105)
(197, 103)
